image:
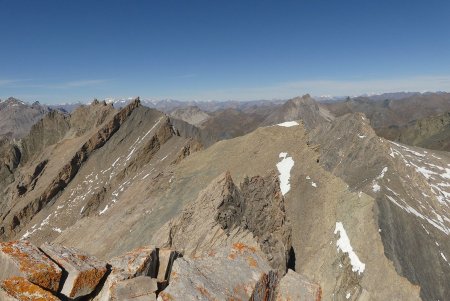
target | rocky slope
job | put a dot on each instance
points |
(411, 190)
(17, 117)
(192, 115)
(430, 132)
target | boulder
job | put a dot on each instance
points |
(139, 288)
(139, 262)
(231, 273)
(294, 286)
(20, 289)
(22, 259)
(84, 272)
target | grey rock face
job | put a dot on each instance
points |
(294, 286)
(236, 273)
(224, 214)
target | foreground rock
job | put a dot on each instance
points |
(294, 286)
(84, 271)
(139, 262)
(141, 288)
(21, 258)
(20, 289)
(235, 273)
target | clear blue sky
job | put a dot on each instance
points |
(55, 51)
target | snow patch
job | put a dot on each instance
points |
(375, 187)
(284, 168)
(343, 244)
(104, 210)
(288, 124)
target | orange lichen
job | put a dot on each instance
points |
(34, 265)
(242, 247)
(166, 296)
(87, 281)
(252, 262)
(23, 290)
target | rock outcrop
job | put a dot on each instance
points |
(236, 273)
(224, 214)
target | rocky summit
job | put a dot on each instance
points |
(301, 200)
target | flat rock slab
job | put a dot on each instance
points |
(20, 289)
(139, 262)
(294, 286)
(141, 287)
(84, 271)
(21, 258)
(234, 273)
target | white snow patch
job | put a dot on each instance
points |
(104, 210)
(348, 296)
(57, 229)
(343, 244)
(284, 168)
(288, 124)
(313, 184)
(382, 173)
(376, 187)
(115, 162)
(164, 158)
(443, 256)
(361, 136)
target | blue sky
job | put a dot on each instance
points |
(58, 51)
